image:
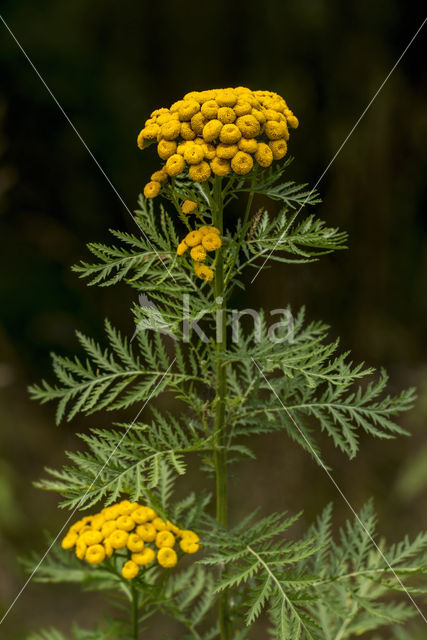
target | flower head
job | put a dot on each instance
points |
(199, 133)
(129, 528)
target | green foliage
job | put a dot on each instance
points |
(292, 379)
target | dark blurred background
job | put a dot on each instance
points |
(109, 65)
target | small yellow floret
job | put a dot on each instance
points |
(144, 557)
(91, 537)
(126, 523)
(108, 528)
(198, 121)
(187, 132)
(189, 206)
(226, 115)
(170, 130)
(242, 163)
(207, 229)
(248, 145)
(147, 532)
(193, 154)
(175, 165)
(135, 543)
(159, 523)
(275, 130)
(165, 539)
(199, 172)
(95, 554)
(220, 166)
(130, 570)
(211, 130)
(226, 151)
(69, 541)
(230, 134)
(181, 248)
(166, 149)
(159, 176)
(187, 110)
(152, 189)
(226, 98)
(209, 109)
(167, 557)
(192, 239)
(278, 148)
(198, 253)
(80, 549)
(189, 547)
(249, 126)
(211, 242)
(264, 155)
(203, 272)
(97, 521)
(118, 539)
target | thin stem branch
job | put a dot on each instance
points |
(220, 455)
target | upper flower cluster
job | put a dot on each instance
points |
(217, 132)
(128, 529)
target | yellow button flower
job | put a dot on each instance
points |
(249, 126)
(242, 163)
(189, 535)
(242, 108)
(211, 130)
(248, 145)
(181, 248)
(198, 121)
(193, 154)
(209, 150)
(159, 523)
(165, 539)
(230, 134)
(199, 172)
(264, 155)
(167, 557)
(80, 549)
(111, 513)
(69, 541)
(226, 115)
(275, 130)
(118, 539)
(143, 514)
(135, 543)
(159, 176)
(144, 557)
(108, 548)
(198, 253)
(188, 207)
(130, 570)
(211, 242)
(187, 110)
(187, 132)
(207, 229)
(189, 547)
(126, 523)
(95, 554)
(170, 130)
(203, 272)
(166, 149)
(175, 165)
(147, 532)
(91, 537)
(108, 528)
(152, 189)
(191, 239)
(220, 166)
(226, 98)
(226, 151)
(209, 109)
(278, 148)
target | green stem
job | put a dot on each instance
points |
(135, 617)
(221, 386)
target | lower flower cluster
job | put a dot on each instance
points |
(199, 242)
(134, 532)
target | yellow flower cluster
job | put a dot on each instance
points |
(134, 531)
(217, 132)
(199, 242)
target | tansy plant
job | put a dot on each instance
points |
(187, 558)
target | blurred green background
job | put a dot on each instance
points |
(110, 64)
